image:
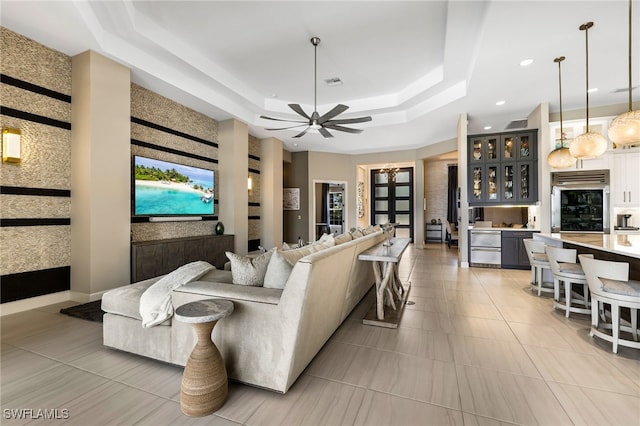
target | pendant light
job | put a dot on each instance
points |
(560, 158)
(589, 144)
(625, 128)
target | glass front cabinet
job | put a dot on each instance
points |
(502, 169)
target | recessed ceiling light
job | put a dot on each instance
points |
(593, 89)
(295, 144)
(499, 103)
(274, 95)
(526, 62)
(487, 127)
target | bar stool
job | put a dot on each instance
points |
(567, 271)
(539, 261)
(609, 284)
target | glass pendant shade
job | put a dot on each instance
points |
(561, 158)
(625, 129)
(588, 145)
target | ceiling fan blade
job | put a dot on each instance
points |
(297, 108)
(349, 120)
(342, 128)
(324, 132)
(285, 128)
(281, 119)
(302, 133)
(338, 109)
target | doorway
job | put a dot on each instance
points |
(392, 200)
(330, 210)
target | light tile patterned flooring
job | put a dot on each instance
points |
(476, 348)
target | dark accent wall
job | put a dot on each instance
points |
(35, 196)
(296, 175)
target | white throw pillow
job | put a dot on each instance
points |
(249, 270)
(278, 271)
(343, 238)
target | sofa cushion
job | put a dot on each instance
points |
(247, 270)
(125, 300)
(356, 233)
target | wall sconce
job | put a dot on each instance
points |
(11, 145)
(249, 183)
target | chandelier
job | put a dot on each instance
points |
(390, 171)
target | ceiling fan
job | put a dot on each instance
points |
(316, 121)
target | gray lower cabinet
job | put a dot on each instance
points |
(152, 258)
(514, 255)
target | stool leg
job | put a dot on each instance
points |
(594, 316)
(615, 325)
(534, 270)
(539, 280)
(567, 297)
(634, 323)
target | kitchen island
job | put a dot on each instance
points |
(617, 248)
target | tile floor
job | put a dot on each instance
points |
(476, 348)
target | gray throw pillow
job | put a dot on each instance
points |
(249, 270)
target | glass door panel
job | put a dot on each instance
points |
(492, 149)
(476, 192)
(525, 152)
(492, 183)
(392, 200)
(508, 148)
(525, 181)
(507, 183)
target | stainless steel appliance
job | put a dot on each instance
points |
(624, 224)
(580, 201)
(485, 247)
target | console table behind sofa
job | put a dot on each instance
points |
(158, 257)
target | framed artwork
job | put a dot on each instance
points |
(291, 199)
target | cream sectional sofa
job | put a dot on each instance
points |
(272, 335)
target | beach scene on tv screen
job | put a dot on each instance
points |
(164, 188)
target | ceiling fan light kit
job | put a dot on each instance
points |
(589, 144)
(625, 128)
(316, 121)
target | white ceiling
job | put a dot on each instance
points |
(413, 66)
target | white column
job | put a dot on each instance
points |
(233, 167)
(101, 175)
(271, 158)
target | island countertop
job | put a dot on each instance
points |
(622, 244)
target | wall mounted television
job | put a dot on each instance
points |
(163, 188)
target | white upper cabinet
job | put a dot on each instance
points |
(625, 185)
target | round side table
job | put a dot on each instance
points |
(204, 381)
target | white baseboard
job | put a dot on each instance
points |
(34, 302)
(48, 299)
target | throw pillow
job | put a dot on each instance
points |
(356, 233)
(278, 271)
(249, 270)
(343, 238)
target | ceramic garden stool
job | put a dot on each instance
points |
(204, 381)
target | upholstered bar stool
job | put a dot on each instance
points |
(609, 284)
(566, 271)
(539, 261)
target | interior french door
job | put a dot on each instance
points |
(392, 200)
